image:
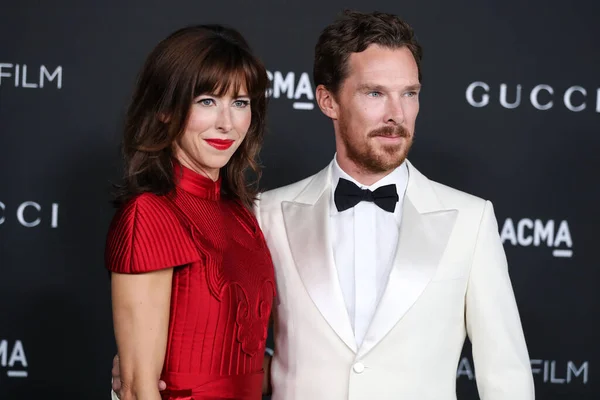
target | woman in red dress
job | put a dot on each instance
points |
(192, 278)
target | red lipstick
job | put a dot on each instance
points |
(220, 144)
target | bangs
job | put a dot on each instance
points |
(226, 68)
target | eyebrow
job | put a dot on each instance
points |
(213, 94)
(415, 87)
(380, 88)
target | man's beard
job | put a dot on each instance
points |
(365, 155)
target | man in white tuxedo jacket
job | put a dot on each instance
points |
(381, 272)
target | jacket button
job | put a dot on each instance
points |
(358, 367)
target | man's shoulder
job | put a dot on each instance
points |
(274, 197)
(454, 197)
(448, 196)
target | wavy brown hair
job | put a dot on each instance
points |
(353, 32)
(204, 59)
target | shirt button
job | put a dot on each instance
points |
(358, 367)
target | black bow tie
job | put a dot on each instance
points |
(347, 195)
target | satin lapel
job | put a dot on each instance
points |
(422, 241)
(308, 231)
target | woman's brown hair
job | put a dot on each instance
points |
(209, 59)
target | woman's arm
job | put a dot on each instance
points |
(141, 304)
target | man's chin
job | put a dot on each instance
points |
(382, 164)
(390, 163)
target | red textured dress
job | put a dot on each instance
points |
(223, 284)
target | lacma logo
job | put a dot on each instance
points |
(529, 232)
(24, 76)
(12, 356)
(297, 87)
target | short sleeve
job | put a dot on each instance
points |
(146, 235)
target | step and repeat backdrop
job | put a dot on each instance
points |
(510, 111)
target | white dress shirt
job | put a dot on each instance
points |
(364, 241)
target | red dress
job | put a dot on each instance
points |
(223, 284)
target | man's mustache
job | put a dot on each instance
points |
(391, 131)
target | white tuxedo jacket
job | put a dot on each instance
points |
(449, 279)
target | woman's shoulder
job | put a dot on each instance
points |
(145, 211)
(147, 202)
(147, 234)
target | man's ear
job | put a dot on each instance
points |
(327, 102)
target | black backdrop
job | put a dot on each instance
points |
(510, 111)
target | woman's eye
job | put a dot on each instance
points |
(241, 103)
(206, 102)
